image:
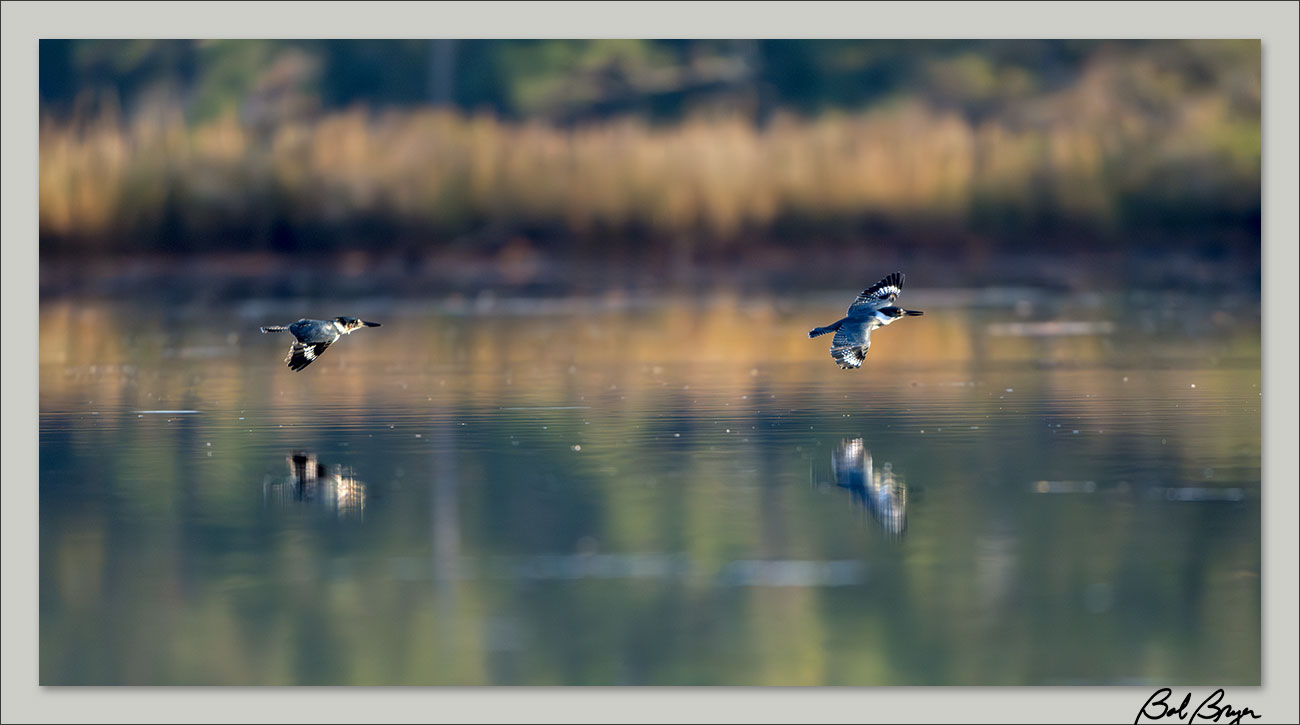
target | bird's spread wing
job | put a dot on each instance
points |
(302, 354)
(849, 346)
(886, 290)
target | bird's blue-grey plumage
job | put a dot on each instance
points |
(311, 337)
(873, 308)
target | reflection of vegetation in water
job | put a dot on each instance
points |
(579, 358)
(141, 529)
(878, 490)
(750, 334)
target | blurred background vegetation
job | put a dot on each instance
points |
(640, 148)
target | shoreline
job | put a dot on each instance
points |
(519, 270)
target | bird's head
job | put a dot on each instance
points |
(891, 313)
(348, 324)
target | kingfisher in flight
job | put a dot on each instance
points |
(313, 336)
(873, 308)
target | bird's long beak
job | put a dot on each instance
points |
(913, 313)
(370, 324)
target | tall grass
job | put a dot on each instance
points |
(362, 178)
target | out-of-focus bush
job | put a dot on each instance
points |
(1156, 141)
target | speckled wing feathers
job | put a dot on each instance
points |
(303, 354)
(884, 291)
(850, 344)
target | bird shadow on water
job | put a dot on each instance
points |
(334, 489)
(877, 491)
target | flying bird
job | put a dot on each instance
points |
(873, 308)
(313, 336)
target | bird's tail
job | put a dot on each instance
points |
(819, 331)
(275, 328)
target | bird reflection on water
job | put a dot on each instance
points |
(878, 491)
(334, 488)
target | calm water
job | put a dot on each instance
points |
(1018, 488)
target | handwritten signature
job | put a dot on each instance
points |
(1157, 708)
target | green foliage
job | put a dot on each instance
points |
(195, 143)
(524, 78)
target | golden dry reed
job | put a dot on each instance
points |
(719, 177)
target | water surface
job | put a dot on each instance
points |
(1020, 487)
